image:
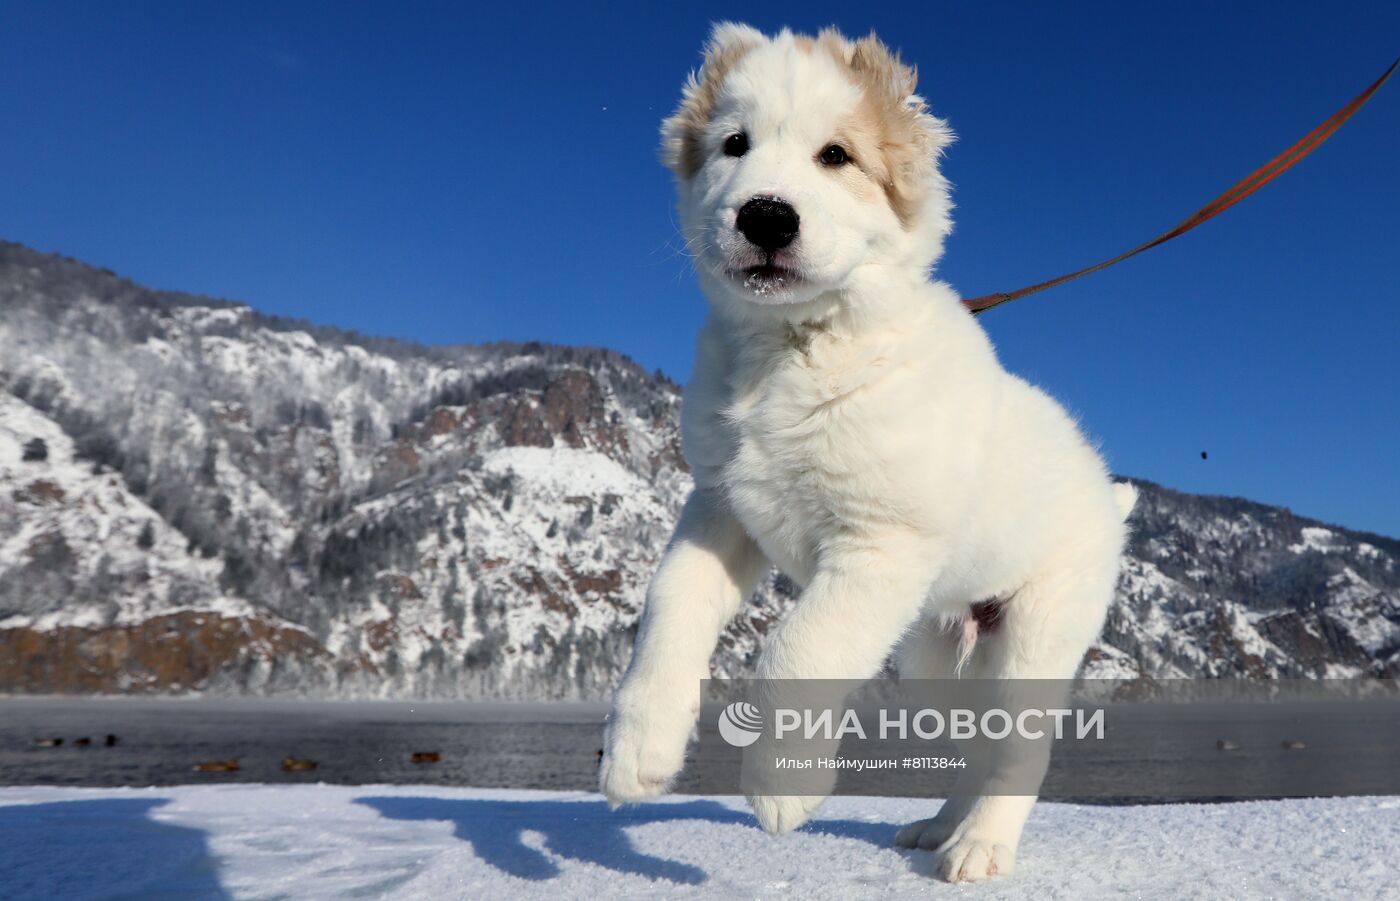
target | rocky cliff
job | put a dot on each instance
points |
(194, 496)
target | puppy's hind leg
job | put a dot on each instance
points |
(1043, 634)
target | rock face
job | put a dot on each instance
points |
(194, 496)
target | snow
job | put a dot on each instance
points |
(323, 841)
(565, 469)
(204, 317)
(1368, 550)
(100, 522)
(1315, 539)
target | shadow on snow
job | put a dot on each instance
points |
(107, 848)
(587, 831)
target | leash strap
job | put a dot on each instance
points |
(1251, 183)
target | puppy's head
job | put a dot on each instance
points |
(802, 161)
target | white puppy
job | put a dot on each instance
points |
(848, 421)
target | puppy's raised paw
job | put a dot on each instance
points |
(642, 757)
(624, 779)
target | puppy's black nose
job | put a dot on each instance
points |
(768, 222)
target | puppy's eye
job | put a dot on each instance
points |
(736, 145)
(834, 155)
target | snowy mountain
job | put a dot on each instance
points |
(197, 496)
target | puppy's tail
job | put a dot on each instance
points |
(1125, 494)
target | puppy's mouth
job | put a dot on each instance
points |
(766, 279)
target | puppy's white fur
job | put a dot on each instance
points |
(853, 426)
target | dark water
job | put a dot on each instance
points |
(547, 746)
(1153, 753)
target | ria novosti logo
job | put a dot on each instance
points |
(740, 724)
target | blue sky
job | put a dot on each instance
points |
(465, 173)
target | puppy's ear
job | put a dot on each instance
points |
(893, 85)
(681, 133)
(912, 138)
(727, 36)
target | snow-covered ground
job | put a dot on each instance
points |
(325, 841)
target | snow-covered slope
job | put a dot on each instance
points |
(298, 509)
(331, 841)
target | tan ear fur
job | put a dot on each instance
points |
(910, 138)
(681, 134)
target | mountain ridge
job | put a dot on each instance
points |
(305, 509)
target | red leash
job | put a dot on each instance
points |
(1251, 183)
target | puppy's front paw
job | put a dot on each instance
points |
(783, 813)
(643, 754)
(970, 859)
